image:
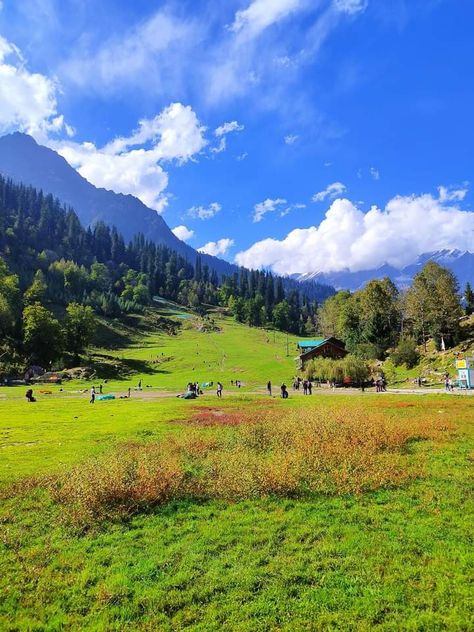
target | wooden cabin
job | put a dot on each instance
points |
(320, 348)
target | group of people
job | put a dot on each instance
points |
(448, 383)
(237, 383)
(283, 389)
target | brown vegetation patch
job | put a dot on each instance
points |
(295, 454)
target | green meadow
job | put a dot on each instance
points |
(375, 535)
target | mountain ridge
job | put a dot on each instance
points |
(25, 161)
(460, 262)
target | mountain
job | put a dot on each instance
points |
(461, 264)
(23, 160)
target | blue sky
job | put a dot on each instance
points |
(301, 135)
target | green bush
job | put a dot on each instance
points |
(406, 352)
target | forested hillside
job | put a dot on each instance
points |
(50, 259)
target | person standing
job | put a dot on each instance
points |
(92, 400)
(310, 387)
(305, 387)
(100, 389)
(269, 388)
(284, 391)
(139, 385)
(219, 390)
(129, 391)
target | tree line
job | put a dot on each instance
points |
(379, 317)
(48, 259)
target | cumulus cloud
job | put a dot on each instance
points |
(291, 139)
(28, 100)
(216, 248)
(204, 212)
(175, 133)
(330, 192)
(348, 238)
(126, 167)
(183, 232)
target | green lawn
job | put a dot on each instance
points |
(398, 558)
(395, 559)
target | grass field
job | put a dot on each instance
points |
(326, 513)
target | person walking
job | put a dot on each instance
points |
(305, 387)
(269, 388)
(139, 385)
(129, 391)
(310, 387)
(219, 390)
(284, 391)
(92, 400)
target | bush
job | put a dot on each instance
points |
(406, 353)
(300, 453)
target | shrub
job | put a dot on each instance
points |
(297, 454)
(406, 352)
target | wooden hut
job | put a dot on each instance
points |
(320, 348)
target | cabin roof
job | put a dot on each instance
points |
(311, 344)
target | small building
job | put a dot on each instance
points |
(320, 348)
(465, 369)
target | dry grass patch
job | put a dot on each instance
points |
(294, 453)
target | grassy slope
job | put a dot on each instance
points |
(393, 559)
(235, 352)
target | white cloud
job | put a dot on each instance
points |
(347, 238)
(351, 7)
(375, 173)
(226, 128)
(175, 133)
(330, 192)
(267, 206)
(204, 212)
(451, 194)
(221, 133)
(261, 14)
(183, 232)
(155, 48)
(134, 172)
(242, 156)
(28, 101)
(291, 139)
(216, 248)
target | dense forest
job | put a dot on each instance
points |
(48, 258)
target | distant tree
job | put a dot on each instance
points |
(329, 318)
(9, 300)
(406, 352)
(469, 299)
(433, 304)
(379, 313)
(281, 316)
(79, 327)
(42, 335)
(36, 293)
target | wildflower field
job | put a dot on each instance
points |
(348, 512)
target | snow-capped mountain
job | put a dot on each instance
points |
(461, 263)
